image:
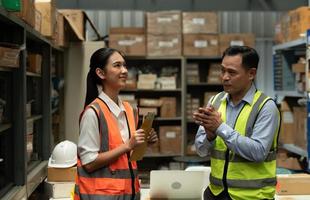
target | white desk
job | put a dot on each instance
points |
(292, 197)
(145, 196)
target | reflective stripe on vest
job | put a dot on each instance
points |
(236, 158)
(101, 197)
(105, 197)
(107, 173)
(253, 115)
(114, 181)
(253, 184)
(103, 129)
(216, 101)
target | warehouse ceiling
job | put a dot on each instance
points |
(185, 5)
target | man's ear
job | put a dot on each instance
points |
(252, 73)
(100, 73)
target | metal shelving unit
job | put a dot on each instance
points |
(299, 43)
(308, 97)
(287, 51)
(197, 91)
(19, 178)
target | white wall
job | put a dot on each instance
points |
(76, 69)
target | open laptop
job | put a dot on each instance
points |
(176, 184)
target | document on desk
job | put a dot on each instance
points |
(139, 151)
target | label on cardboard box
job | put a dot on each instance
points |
(171, 134)
(126, 42)
(288, 117)
(214, 42)
(198, 21)
(164, 19)
(9, 57)
(165, 44)
(200, 43)
(139, 39)
(236, 43)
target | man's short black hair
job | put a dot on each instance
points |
(250, 57)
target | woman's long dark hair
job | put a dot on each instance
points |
(99, 59)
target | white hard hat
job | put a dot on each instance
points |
(64, 155)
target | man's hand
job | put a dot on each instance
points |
(210, 119)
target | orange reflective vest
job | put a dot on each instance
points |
(119, 179)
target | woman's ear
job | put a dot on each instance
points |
(100, 73)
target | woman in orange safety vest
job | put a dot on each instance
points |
(108, 133)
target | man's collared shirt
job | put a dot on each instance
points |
(255, 148)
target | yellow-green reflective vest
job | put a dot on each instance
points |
(244, 179)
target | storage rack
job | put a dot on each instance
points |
(20, 176)
(188, 127)
(284, 81)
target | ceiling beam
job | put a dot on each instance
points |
(184, 5)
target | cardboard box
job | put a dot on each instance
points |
(61, 174)
(143, 111)
(76, 21)
(284, 161)
(27, 12)
(168, 107)
(150, 102)
(200, 22)
(200, 45)
(163, 22)
(34, 63)
(48, 15)
(285, 27)
(146, 81)
(214, 74)
(293, 184)
(37, 20)
(230, 39)
(131, 84)
(58, 189)
(192, 73)
(299, 67)
(170, 139)
(131, 41)
(9, 57)
(299, 22)
(300, 129)
(287, 126)
(61, 31)
(167, 82)
(164, 45)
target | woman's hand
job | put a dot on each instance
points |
(152, 138)
(136, 139)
